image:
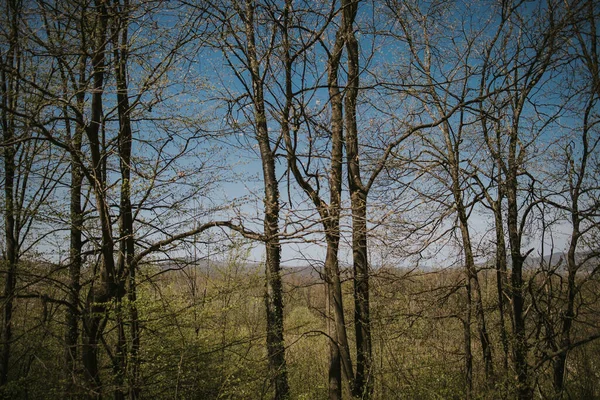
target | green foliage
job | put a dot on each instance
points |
(203, 337)
(203, 333)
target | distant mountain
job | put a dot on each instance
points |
(587, 260)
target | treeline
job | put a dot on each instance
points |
(457, 140)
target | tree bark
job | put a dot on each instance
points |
(468, 363)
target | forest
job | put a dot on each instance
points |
(300, 199)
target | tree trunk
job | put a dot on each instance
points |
(501, 279)
(273, 285)
(331, 214)
(453, 155)
(340, 363)
(517, 290)
(104, 288)
(126, 355)
(473, 278)
(363, 384)
(577, 188)
(335, 358)
(467, 345)
(134, 331)
(11, 256)
(363, 381)
(9, 101)
(75, 263)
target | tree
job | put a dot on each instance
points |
(103, 31)
(248, 58)
(571, 192)
(31, 171)
(363, 382)
(582, 207)
(470, 134)
(295, 116)
(439, 73)
(9, 98)
(518, 65)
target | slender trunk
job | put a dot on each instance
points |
(11, 254)
(501, 279)
(363, 384)
(332, 214)
(89, 351)
(560, 360)
(517, 289)
(76, 233)
(75, 264)
(363, 381)
(332, 271)
(520, 346)
(335, 359)
(274, 305)
(467, 345)
(274, 296)
(126, 271)
(476, 298)
(127, 359)
(273, 284)
(522, 86)
(340, 362)
(103, 290)
(473, 287)
(494, 146)
(576, 179)
(9, 101)
(120, 359)
(134, 331)
(501, 285)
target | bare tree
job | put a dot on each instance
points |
(363, 382)
(274, 294)
(31, 170)
(440, 76)
(244, 34)
(582, 208)
(10, 60)
(87, 67)
(571, 191)
(340, 363)
(519, 65)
